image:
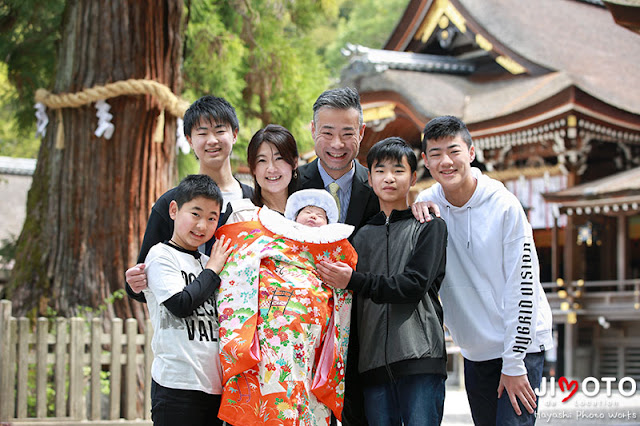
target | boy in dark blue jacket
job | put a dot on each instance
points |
(401, 263)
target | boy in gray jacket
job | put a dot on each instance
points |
(401, 263)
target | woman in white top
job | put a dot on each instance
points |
(272, 155)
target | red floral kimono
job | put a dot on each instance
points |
(283, 334)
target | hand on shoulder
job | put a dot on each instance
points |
(422, 210)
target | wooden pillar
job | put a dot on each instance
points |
(570, 330)
(554, 251)
(569, 237)
(6, 383)
(569, 244)
(570, 340)
(621, 251)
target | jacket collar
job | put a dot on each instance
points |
(396, 215)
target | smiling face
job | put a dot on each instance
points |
(391, 181)
(212, 143)
(195, 222)
(337, 135)
(312, 216)
(449, 161)
(272, 172)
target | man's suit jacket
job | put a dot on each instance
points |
(363, 204)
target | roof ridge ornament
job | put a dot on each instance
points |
(364, 59)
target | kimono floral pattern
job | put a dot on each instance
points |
(283, 334)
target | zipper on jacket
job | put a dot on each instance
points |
(386, 340)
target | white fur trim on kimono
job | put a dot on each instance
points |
(311, 197)
(277, 224)
(242, 210)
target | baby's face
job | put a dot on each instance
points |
(312, 216)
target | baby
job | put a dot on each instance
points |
(311, 207)
(283, 333)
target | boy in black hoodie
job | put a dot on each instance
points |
(401, 263)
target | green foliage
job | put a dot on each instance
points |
(105, 376)
(269, 58)
(29, 36)
(105, 387)
(50, 391)
(260, 56)
(213, 53)
(8, 247)
(88, 312)
(365, 22)
(105, 379)
(13, 141)
(187, 165)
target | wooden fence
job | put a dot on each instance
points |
(69, 371)
(66, 371)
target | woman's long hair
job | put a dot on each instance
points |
(285, 144)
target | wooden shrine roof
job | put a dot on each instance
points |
(617, 194)
(600, 57)
(626, 183)
(566, 48)
(441, 94)
(625, 13)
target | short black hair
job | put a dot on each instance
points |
(342, 98)
(393, 148)
(446, 126)
(211, 109)
(194, 186)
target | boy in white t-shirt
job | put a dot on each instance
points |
(186, 385)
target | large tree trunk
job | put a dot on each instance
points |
(89, 202)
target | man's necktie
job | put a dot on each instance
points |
(333, 190)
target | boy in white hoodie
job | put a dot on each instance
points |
(493, 302)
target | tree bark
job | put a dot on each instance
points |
(89, 202)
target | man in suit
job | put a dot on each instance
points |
(337, 129)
